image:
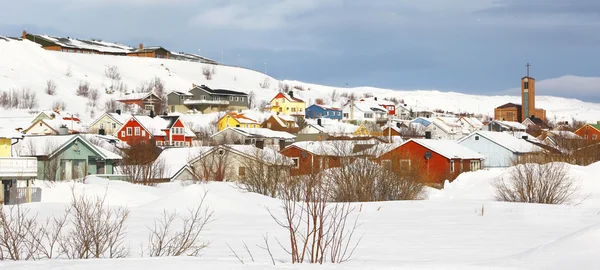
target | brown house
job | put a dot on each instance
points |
(62, 44)
(281, 123)
(150, 52)
(147, 101)
(508, 112)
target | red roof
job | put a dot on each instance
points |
(288, 97)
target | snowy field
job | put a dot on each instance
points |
(25, 64)
(448, 230)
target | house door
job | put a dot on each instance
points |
(78, 169)
(100, 165)
(66, 169)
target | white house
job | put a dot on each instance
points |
(502, 126)
(109, 123)
(260, 137)
(329, 126)
(441, 130)
(364, 111)
(498, 148)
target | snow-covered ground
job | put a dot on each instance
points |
(446, 231)
(25, 65)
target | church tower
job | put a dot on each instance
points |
(528, 96)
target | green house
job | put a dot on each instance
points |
(66, 157)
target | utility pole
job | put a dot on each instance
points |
(265, 68)
(221, 53)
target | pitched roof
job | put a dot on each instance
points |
(447, 148)
(51, 145)
(509, 105)
(219, 91)
(508, 141)
(156, 126)
(332, 126)
(258, 132)
(510, 124)
(241, 118)
(288, 97)
(176, 159)
(10, 134)
(539, 122)
(119, 118)
(326, 107)
(137, 96)
(281, 119)
(91, 45)
(368, 106)
(326, 148)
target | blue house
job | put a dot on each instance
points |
(500, 149)
(323, 111)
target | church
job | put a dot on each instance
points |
(520, 112)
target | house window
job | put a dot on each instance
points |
(345, 115)
(128, 131)
(122, 133)
(187, 144)
(137, 131)
(172, 108)
(237, 98)
(594, 136)
(268, 125)
(143, 133)
(296, 162)
(451, 165)
(404, 164)
(477, 138)
(386, 164)
(204, 97)
(221, 152)
(231, 98)
(475, 165)
(159, 143)
(241, 98)
(114, 125)
(368, 115)
(101, 126)
(242, 171)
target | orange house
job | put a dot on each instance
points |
(438, 159)
(590, 132)
(150, 52)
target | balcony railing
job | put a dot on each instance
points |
(205, 101)
(18, 167)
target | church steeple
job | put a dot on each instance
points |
(527, 95)
(528, 65)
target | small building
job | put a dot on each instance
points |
(288, 104)
(500, 149)
(563, 140)
(439, 160)
(508, 112)
(66, 157)
(147, 101)
(357, 112)
(13, 168)
(281, 122)
(386, 104)
(168, 131)
(56, 114)
(590, 132)
(333, 128)
(54, 126)
(150, 52)
(109, 123)
(505, 126)
(440, 130)
(323, 111)
(234, 119)
(71, 45)
(259, 137)
(203, 99)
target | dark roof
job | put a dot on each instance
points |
(149, 49)
(221, 91)
(509, 105)
(171, 118)
(539, 122)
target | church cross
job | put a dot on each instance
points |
(528, 65)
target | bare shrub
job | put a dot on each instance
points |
(59, 104)
(93, 97)
(158, 88)
(140, 163)
(299, 87)
(83, 89)
(207, 72)
(164, 240)
(284, 87)
(319, 231)
(266, 83)
(251, 99)
(28, 99)
(263, 172)
(96, 231)
(213, 166)
(50, 87)
(69, 71)
(112, 105)
(116, 86)
(334, 95)
(113, 73)
(546, 183)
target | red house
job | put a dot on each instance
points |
(165, 130)
(439, 159)
(590, 132)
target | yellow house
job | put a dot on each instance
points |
(287, 104)
(233, 119)
(6, 137)
(362, 131)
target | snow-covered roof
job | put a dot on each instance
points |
(326, 148)
(511, 124)
(379, 101)
(175, 159)
(448, 148)
(367, 106)
(332, 126)
(56, 123)
(10, 134)
(52, 144)
(241, 118)
(507, 141)
(154, 125)
(563, 134)
(261, 132)
(119, 118)
(266, 154)
(92, 45)
(281, 119)
(135, 96)
(474, 122)
(327, 107)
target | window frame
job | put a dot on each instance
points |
(129, 131)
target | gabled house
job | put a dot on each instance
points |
(109, 123)
(260, 137)
(364, 111)
(333, 128)
(61, 44)
(66, 157)
(147, 101)
(439, 160)
(203, 99)
(234, 119)
(323, 111)
(386, 104)
(54, 126)
(56, 114)
(11, 166)
(403, 113)
(168, 131)
(312, 157)
(505, 126)
(500, 149)
(590, 132)
(286, 103)
(151, 52)
(440, 130)
(281, 122)
(535, 125)
(471, 124)
(562, 140)
(406, 130)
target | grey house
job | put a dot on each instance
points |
(206, 100)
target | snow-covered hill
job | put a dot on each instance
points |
(25, 64)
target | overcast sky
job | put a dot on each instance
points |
(470, 46)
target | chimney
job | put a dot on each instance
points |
(319, 122)
(524, 137)
(291, 93)
(152, 114)
(24, 36)
(141, 46)
(119, 112)
(398, 125)
(597, 122)
(319, 101)
(375, 98)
